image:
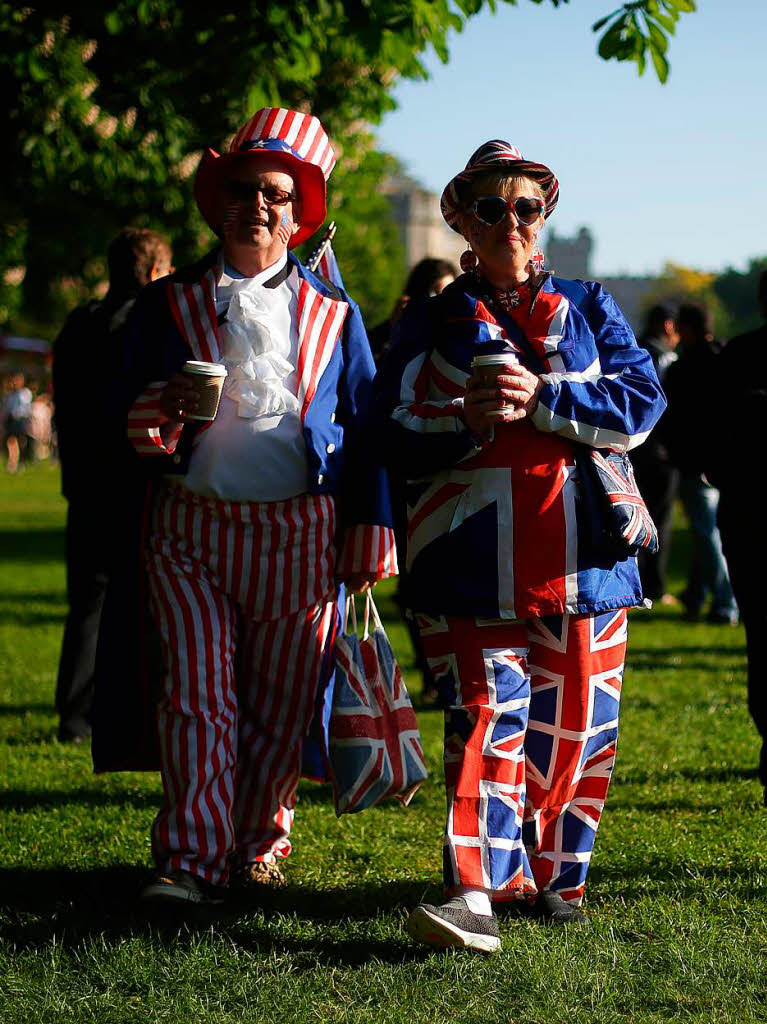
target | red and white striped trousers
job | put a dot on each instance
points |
(242, 675)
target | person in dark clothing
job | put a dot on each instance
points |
(689, 385)
(87, 363)
(656, 474)
(427, 278)
(741, 375)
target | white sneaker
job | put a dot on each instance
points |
(453, 924)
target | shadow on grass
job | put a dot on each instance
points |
(639, 776)
(37, 907)
(19, 710)
(27, 619)
(31, 799)
(678, 878)
(32, 545)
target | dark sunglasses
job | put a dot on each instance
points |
(246, 191)
(492, 209)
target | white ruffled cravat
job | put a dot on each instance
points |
(256, 361)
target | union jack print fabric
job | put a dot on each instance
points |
(375, 746)
(499, 526)
(531, 720)
(629, 520)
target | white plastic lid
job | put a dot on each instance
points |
(496, 359)
(206, 369)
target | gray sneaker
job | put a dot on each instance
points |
(453, 924)
(550, 908)
(179, 888)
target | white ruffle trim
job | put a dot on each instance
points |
(256, 361)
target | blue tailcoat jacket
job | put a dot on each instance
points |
(174, 320)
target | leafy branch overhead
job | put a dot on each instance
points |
(641, 28)
(108, 107)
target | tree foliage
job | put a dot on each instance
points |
(636, 30)
(108, 106)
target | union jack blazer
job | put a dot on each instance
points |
(498, 528)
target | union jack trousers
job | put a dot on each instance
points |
(245, 652)
(531, 727)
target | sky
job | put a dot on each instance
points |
(658, 173)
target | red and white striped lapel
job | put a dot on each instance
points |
(320, 320)
(194, 309)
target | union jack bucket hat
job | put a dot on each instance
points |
(295, 142)
(489, 156)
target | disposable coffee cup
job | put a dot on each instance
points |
(208, 380)
(489, 368)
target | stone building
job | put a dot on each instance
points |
(422, 230)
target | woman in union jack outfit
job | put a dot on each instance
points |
(522, 614)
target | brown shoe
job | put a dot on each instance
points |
(258, 872)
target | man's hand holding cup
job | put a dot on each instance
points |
(193, 394)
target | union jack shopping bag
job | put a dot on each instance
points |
(626, 523)
(374, 746)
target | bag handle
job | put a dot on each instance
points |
(370, 610)
(350, 607)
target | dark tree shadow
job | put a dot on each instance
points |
(682, 879)
(638, 776)
(70, 905)
(30, 799)
(32, 545)
(19, 710)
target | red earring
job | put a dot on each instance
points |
(538, 260)
(468, 261)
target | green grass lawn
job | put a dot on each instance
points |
(676, 892)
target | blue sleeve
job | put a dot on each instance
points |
(418, 432)
(365, 507)
(616, 401)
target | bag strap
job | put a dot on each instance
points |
(350, 607)
(370, 610)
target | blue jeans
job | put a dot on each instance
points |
(708, 573)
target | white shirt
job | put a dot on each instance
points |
(255, 450)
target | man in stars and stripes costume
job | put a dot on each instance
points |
(521, 606)
(255, 518)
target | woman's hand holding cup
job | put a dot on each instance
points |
(500, 390)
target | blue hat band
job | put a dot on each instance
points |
(269, 146)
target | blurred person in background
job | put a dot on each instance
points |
(14, 414)
(427, 279)
(87, 364)
(39, 427)
(656, 474)
(740, 373)
(691, 390)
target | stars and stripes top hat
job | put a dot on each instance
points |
(296, 142)
(490, 156)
